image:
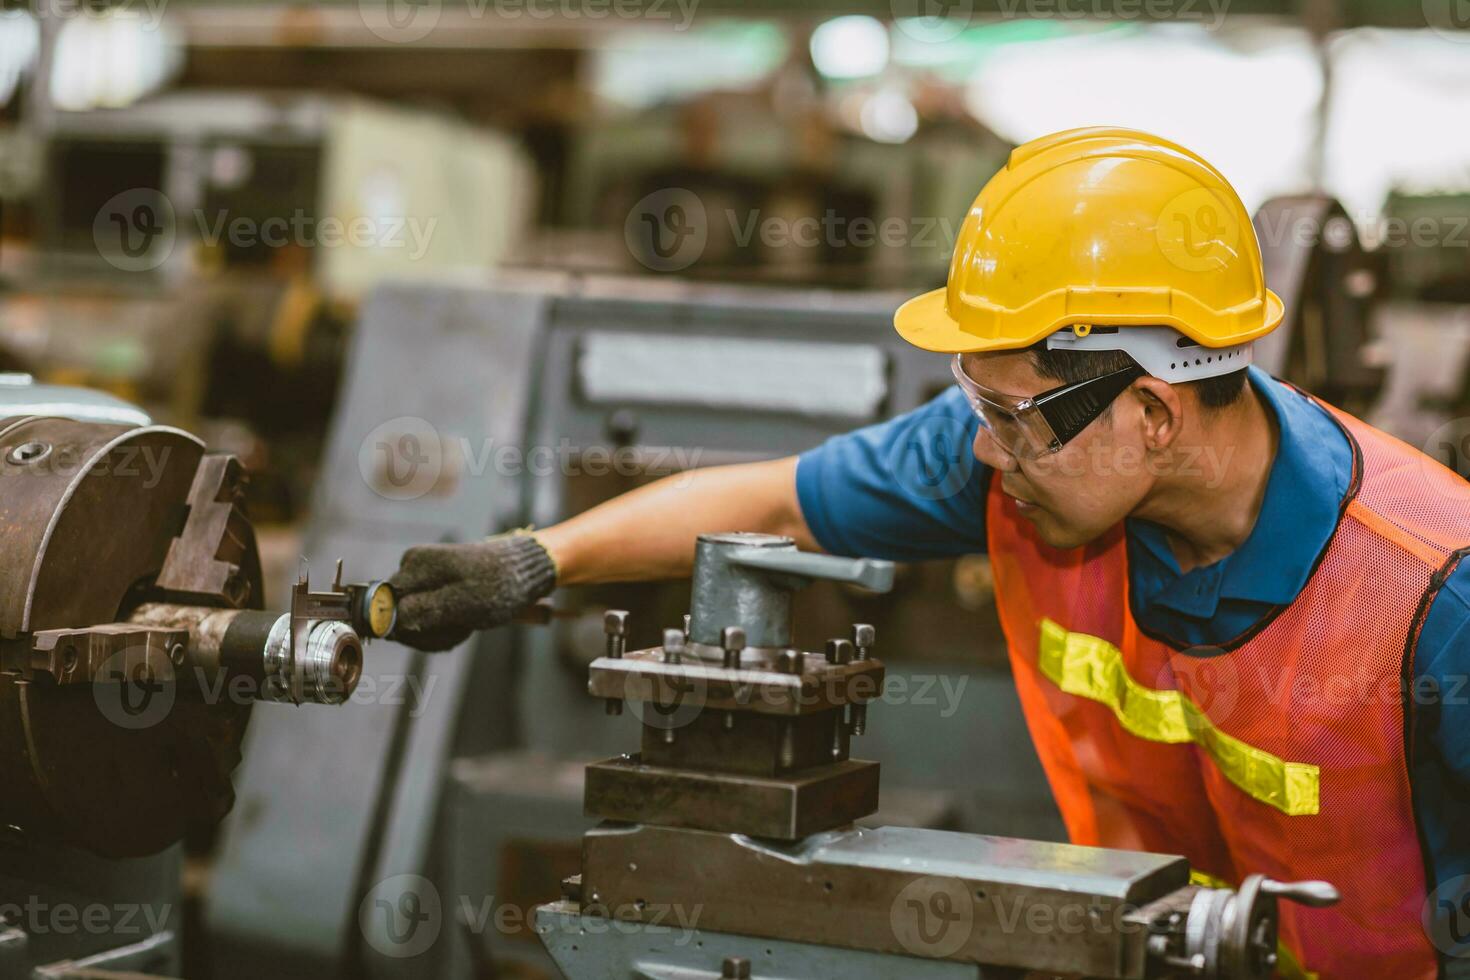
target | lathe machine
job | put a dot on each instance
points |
(133, 644)
(728, 847)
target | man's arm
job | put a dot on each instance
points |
(905, 489)
(446, 591)
(649, 533)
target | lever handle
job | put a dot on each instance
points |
(870, 573)
(1317, 894)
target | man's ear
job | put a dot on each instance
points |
(1163, 412)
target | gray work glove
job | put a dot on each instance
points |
(446, 591)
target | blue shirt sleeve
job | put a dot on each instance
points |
(905, 490)
(1441, 773)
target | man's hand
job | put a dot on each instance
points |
(446, 591)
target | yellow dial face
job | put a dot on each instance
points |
(382, 609)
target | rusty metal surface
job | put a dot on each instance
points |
(211, 558)
(105, 653)
(781, 808)
(99, 508)
(88, 512)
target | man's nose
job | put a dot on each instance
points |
(990, 452)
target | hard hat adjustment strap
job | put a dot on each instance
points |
(1162, 351)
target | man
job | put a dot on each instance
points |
(1236, 616)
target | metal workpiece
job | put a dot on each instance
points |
(319, 659)
(327, 671)
(746, 580)
(900, 891)
(249, 652)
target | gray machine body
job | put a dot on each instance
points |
(462, 767)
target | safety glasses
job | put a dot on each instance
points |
(1039, 425)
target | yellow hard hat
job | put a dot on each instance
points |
(1090, 227)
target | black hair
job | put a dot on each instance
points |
(1070, 366)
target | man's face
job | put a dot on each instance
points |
(1076, 495)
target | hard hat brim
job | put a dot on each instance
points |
(924, 321)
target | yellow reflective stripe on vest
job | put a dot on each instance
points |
(1287, 965)
(1092, 668)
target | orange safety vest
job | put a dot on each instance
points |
(1286, 751)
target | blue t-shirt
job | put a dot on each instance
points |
(910, 489)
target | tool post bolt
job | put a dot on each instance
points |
(673, 654)
(732, 638)
(863, 638)
(615, 625)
